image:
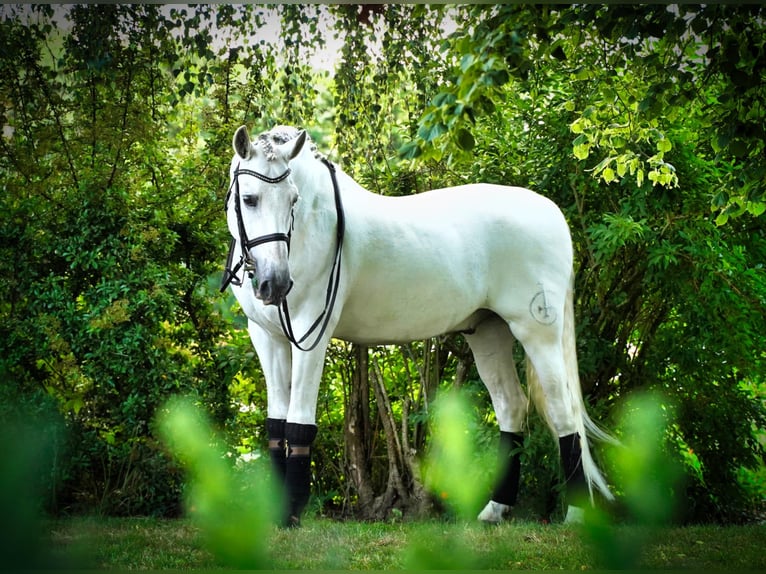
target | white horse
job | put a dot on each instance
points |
(317, 256)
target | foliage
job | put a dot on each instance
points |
(642, 72)
(234, 507)
(106, 256)
(30, 436)
(452, 448)
(648, 478)
(644, 123)
(235, 510)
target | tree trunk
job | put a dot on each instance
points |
(357, 431)
(396, 488)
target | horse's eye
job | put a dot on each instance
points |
(250, 200)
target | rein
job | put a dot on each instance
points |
(332, 282)
(230, 273)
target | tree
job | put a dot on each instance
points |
(106, 256)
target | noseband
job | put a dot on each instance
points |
(245, 261)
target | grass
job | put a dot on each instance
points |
(236, 531)
(321, 544)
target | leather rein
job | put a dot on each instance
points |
(247, 264)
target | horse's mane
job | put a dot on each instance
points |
(279, 135)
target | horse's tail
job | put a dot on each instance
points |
(586, 428)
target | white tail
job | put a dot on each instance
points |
(583, 423)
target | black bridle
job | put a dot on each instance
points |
(247, 264)
(245, 261)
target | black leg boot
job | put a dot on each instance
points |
(298, 469)
(507, 487)
(275, 429)
(571, 463)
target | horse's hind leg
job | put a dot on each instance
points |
(549, 384)
(492, 347)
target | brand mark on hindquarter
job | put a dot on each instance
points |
(539, 308)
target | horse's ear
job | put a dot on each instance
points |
(292, 148)
(241, 143)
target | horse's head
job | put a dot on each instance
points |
(260, 209)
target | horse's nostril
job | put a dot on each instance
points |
(264, 290)
(272, 289)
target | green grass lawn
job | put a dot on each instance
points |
(149, 544)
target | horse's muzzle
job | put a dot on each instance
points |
(273, 291)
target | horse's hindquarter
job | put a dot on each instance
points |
(424, 265)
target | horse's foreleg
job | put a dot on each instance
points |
(492, 347)
(275, 430)
(301, 430)
(300, 437)
(275, 357)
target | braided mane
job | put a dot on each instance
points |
(279, 135)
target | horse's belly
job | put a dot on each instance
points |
(379, 317)
(392, 331)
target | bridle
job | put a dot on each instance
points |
(245, 261)
(247, 264)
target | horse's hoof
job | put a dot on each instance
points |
(575, 515)
(494, 512)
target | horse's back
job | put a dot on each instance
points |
(464, 201)
(482, 222)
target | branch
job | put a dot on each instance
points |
(56, 115)
(127, 99)
(393, 446)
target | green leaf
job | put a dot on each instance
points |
(465, 140)
(622, 167)
(410, 150)
(467, 61)
(581, 151)
(647, 104)
(720, 199)
(443, 98)
(578, 126)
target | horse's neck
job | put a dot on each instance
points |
(314, 233)
(314, 182)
